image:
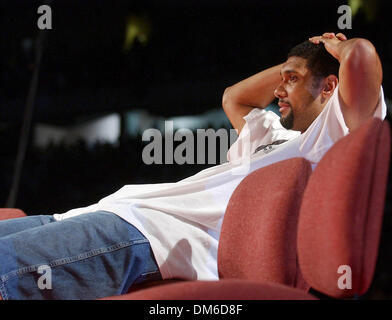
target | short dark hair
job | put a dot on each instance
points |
(319, 61)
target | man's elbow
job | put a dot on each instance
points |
(363, 56)
(364, 46)
(226, 99)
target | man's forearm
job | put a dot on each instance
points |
(256, 91)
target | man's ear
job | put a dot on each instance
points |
(330, 83)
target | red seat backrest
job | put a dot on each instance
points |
(258, 236)
(342, 210)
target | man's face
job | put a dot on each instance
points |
(297, 94)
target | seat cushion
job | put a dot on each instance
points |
(217, 290)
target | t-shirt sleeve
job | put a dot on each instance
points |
(329, 127)
(261, 128)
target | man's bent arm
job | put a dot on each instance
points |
(360, 77)
(256, 91)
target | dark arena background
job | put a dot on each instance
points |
(112, 69)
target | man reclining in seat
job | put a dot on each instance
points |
(171, 230)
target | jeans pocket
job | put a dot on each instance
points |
(148, 276)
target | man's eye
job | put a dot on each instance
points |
(293, 78)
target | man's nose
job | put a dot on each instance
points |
(280, 92)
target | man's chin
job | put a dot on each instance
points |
(287, 121)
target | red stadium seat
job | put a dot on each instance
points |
(11, 213)
(342, 212)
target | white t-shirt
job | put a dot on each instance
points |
(182, 220)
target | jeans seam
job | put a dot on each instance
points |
(62, 261)
(3, 291)
(148, 273)
(146, 276)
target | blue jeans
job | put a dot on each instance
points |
(89, 256)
